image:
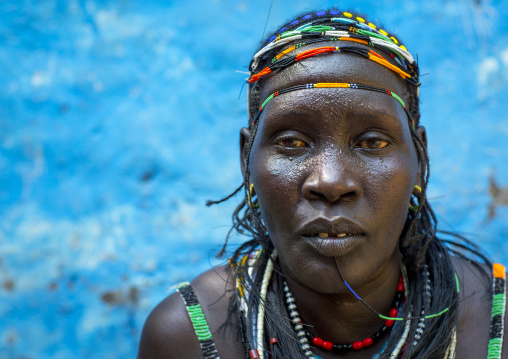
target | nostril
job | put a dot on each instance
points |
(348, 196)
(317, 195)
(345, 197)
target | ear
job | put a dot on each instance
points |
(245, 135)
(422, 135)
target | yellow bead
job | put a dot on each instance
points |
(360, 19)
(394, 40)
(383, 32)
(403, 47)
(346, 14)
(372, 25)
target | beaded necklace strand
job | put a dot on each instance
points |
(388, 324)
(498, 312)
(427, 295)
(405, 284)
(297, 324)
(262, 299)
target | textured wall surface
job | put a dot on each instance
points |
(118, 119)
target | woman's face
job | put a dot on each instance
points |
(333, 170)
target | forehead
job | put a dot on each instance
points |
(334, 67)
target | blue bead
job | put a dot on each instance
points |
(294, 22)
(334, 12)
(282, 30)
(321, 13)
(307, 17)
(272, 38)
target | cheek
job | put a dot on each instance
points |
(388, 189)
(277, 180)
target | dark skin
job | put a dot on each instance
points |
(339, 161)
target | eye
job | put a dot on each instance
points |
(291, 143)
(372, 143)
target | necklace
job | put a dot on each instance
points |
(302, 337)
(367, 342)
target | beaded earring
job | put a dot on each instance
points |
(413, 203)
(253, 202)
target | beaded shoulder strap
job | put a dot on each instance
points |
(198, 320)
(498, 312)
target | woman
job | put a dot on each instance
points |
(343, 260)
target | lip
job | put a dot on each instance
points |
(343, 235)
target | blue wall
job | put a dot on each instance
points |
(118, 119)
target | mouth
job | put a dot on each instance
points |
(333, 237)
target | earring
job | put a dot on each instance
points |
(413, 207)
(250, 197)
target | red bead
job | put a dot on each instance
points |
(357, 345)
(400, 287)
(254, 354)
(273, 341)
(317, 341)
(367, 342)
(327, 345)
(389, 323)
(393, 313)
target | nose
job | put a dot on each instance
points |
(332, 178)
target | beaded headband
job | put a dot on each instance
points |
(329, 26)
(333, 85)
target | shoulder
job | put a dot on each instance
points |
(168, 331)
(475, 307)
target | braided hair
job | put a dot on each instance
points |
(425, 256)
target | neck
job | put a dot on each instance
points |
(340, 317)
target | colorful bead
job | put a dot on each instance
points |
(332, 85)
(357, 345)
(498, 312)
(327, 345)
(321, 13)
(273, 341)
(367, 342)
(317, 341)
(306, 17)
(254, 354)
(198, 320)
